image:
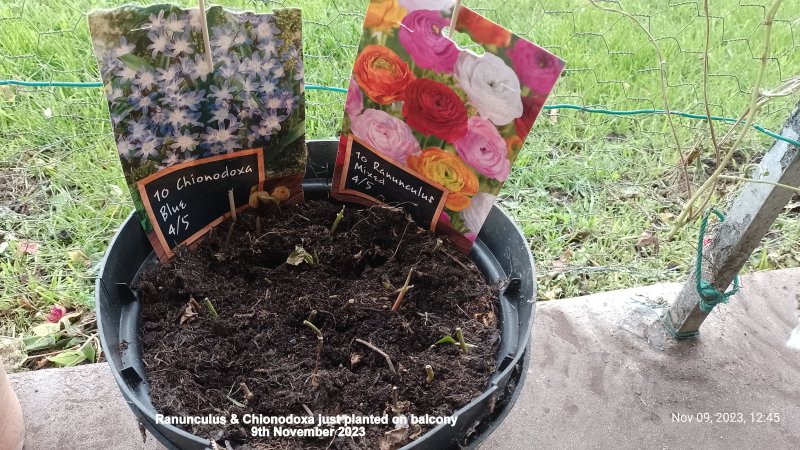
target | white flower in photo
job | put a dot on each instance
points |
(268, 86)
(278, 72)
(252, 65)
(145, 80)
(156, 22)
(223, 39)
(126, 73)
(180, 46)
(201, 69)
(143, 103)
(124, 147)
(158, 42)
(478, 210)
(191, 100)
(266, 30)
(269, 48)
(268, 126)
(124, 47)
(148, 148)
(171, 159)
(274, 102)
(180, 118)
(492, 87)
(222, 114)
(249, 85)
(194, 20)
(168, 75)
(139, 130)
(222, 94)
(175, 24)
(228, 72)
(113, 93)
(110, 63)
(185, 142)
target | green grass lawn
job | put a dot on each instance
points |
(584, 189)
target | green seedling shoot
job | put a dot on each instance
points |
(463, 345)
(339, 217)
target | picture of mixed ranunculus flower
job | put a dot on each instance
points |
(454, 117)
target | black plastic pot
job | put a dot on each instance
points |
(501, 252)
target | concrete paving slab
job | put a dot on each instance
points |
(605, 375)
(77, 408)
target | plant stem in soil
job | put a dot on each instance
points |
(461, 341)
(429, 372)
(320, 341)
(338, 219)
(210, 307)
(402, 291)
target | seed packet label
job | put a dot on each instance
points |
(371, 176)
(455, 118)
(170, 109)
(186, 200)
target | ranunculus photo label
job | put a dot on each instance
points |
(368, 174)
(453, 117)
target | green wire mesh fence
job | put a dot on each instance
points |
(595, 192)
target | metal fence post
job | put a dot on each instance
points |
(750, 218)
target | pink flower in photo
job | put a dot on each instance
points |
(444, 218)
(484, 149)
(421, 36)
(471, 236)
(355, 100)
(56, 313)
(536, 68)
(386, 134)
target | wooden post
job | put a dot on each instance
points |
(750, 218)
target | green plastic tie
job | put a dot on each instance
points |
(709, 295)
(666, 319)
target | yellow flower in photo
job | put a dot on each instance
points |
(448, 170)
(384, 15)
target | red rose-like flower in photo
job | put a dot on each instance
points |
(531, 106)
(432, 108)
(482, 30)
(382, 75)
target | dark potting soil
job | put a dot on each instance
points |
(259, 337)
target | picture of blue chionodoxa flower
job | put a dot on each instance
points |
(169, 106)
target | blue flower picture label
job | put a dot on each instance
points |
(185, 201)
(177, 112)
(369, 177)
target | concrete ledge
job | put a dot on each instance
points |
(604, 373)
(77, 408)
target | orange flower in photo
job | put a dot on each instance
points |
(448, 170)
(384, 15)
(382, 75)
(482, 30)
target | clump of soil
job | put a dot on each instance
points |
(259, 337)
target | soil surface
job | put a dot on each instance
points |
(259, 338)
